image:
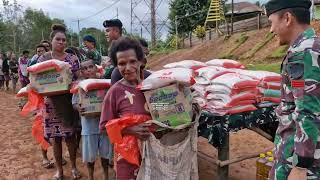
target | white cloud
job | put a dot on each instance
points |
(71, 10)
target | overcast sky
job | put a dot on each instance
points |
(71, 10)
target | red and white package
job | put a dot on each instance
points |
(235, 81)
(211, 72)
(260, 75)
(241, 109)
(23, 92)
(166, 77)
(226, 63)
(271, 85)
(199, 89)
(190, 64)
(92, 84)
(46, 65)
(199, 100)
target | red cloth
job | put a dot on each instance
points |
(126, 146)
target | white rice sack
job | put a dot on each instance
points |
(92, 84)
(184, 64)
(226, 63)
(166, 77)
(211, 72)
(46, 65)
(235, 81)
(260, 75)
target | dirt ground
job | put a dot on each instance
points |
(20, 156)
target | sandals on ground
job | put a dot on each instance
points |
(75, 174)
(48, 165)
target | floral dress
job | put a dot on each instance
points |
(53, 126)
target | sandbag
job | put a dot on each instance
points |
(166, 77)
(174, 158)
(190, 64)
(226, 63)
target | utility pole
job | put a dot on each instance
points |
(79, 32)
(153, 23)
(71, 39)
(131, 12)
(117, 13)
(232, 11)
(14, 40)
(176, 24)
(42, 34)
(141, 32)
(312, 10)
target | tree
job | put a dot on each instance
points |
(200, 32)
(188, 13)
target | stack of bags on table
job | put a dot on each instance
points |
(223, 86)
(268, 87)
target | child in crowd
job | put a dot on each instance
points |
(94, 143)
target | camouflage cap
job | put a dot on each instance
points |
(274, 6)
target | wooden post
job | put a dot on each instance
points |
(210, 34)
(190, 38)
(259, 21)
(223, 155)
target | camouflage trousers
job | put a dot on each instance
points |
(284, 151)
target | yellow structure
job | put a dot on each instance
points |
(215, 15)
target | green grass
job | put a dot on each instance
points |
(273, 67)
(258, 46)
(242, 39)
(280, 52)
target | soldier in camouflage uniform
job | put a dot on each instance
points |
(297, 142)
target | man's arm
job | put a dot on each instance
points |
(304, 77)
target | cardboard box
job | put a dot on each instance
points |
(51, 82)
(91, 101)
(170, 105)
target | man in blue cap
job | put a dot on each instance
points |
(297, 141)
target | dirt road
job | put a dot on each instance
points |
(20, 156)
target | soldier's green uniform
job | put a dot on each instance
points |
(297, 141)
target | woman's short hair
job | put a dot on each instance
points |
(124, 44)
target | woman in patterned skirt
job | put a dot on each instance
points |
(54, 127)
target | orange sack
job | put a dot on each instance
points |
(37, 132)
(126, 146)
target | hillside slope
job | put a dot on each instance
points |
(267, 57)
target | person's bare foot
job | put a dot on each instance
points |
(58, 176)
(75, 174)
(47, 164)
